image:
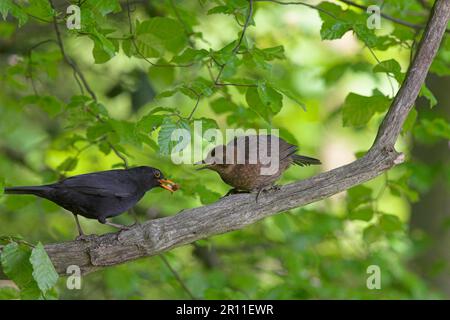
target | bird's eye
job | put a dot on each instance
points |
(157, 174)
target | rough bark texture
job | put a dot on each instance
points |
(237, 211)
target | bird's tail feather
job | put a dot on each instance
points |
(304, 161)
(36, 190)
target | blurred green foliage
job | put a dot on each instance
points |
(156, 66)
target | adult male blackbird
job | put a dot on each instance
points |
(100, 195)
(254, 163)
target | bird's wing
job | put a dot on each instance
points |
(102, 184)
(285, 149)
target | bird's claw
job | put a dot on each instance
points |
(266, 189)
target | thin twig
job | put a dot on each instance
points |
(238, 45)
(30, 62)
(177, 276)
(236, 48)
(300, 3)
(388, 17)
(199, 96)
(69, 61)
(183, 23)
(353, 4)
(79, 76)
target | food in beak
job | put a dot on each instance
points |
(168, 185)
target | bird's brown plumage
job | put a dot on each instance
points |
(246, 176)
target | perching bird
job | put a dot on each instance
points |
(100, 195)
(253, 172)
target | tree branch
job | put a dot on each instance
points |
(235, 212)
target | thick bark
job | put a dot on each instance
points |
(237, 211)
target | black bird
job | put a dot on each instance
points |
(100, 195)
(246, 175)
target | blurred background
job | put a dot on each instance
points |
(320, 251)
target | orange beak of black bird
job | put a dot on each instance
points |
(168, 185)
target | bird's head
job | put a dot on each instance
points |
(215, 160)
(152, 177)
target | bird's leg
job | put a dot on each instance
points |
(265, 189)
(234, 191)
(82, 236)
(115, 225)
(80, 231)
(259, 193)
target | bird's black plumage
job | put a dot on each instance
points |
(100, 195)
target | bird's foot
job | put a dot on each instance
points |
(266, 189)
(234, 191)
(118, 226)
(86, 237)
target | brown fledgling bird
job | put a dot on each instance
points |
(246, 163)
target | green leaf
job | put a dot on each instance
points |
(126, 131)
(391, 67)
(44, 272)
(159, 34)
(332, 30)
(255, 103)
(165, 134)
(190, 55)
(150, 122)
(358, 110)
(425, 92)
(8, 293)
(365, 34)
(98, 130)
(372, 233)
(390, 223)
(294, 97)
(208, 123)
(364, 214)
(106, 6)
(199, 86)
(333, 74)
(401, 187)
(437, 128)
(223, 105)
(49, 104)
(8, 6)
(270, 97)
(272, 53)
(358, 195)
(40, 9)
(16, 265)
(104, 147)
(220, 9)
(104, 48)
(206, 195)
(69, 164)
